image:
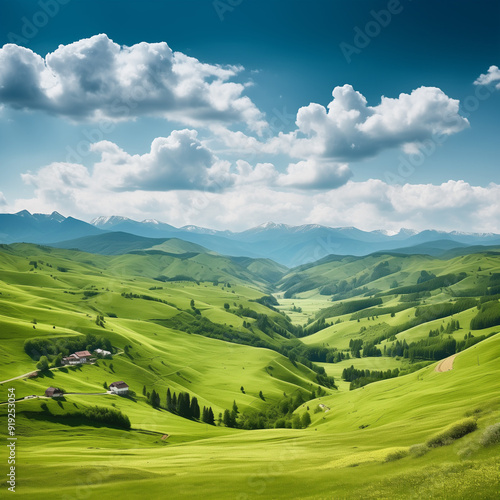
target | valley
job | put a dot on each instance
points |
(321, 378)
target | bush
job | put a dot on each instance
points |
(396, 455)
(419, 450)
(491, 435)
(455, 431)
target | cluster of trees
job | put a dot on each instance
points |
(56, 348)
(431, 348)
(349, 307)
(181, 404)
(470, 340)
(366, 313)
(99, 321)
(277, 415)
(397, 348)
(94, 415)
(355, 346)
(488, 315)
(425, 276)
(428, 285)
(451, 327)
(130, 295)
(371, 350)
(268, 301)
(360, 378)
(107, 416)
(317, 326)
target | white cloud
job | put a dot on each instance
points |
(96, 78)
(3, 201)
(315, 174)
(252, 200)
(491, 77)
(176, 162)
(348, 129)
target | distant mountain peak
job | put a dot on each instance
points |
(57, 216)
(273, 225)
(151, 221)
(108, 219)
(23, 213)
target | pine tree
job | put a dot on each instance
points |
(306, 419)
(235, 407)
(169, 400)
(195, 408)
(174, 402)
(211, 419)
(143, 390)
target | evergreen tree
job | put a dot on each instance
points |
(174, 402)
(195, 408)
(211, 419)
(143, 390)
(306, 419)
(169, 400)
(227, 418)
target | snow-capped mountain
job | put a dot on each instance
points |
(286, 244)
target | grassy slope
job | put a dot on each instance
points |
(314, 463)
(218, 462)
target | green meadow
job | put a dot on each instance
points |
(252, 339)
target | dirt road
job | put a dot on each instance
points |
(446, 364)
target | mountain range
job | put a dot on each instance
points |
(289, 245)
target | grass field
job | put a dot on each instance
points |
(368, 443)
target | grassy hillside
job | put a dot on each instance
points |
(208, 325)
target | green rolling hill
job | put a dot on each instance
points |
(321, 379)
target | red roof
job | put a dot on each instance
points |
(83, 354)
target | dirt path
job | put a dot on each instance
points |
(446, 364)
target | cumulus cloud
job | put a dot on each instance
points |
(176, 162)
(3, 201)
(315, 174)
(179, 162)
(96, 78)
(256, 197)
(349, 129)
(491, 77)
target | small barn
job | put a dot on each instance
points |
(53, 392)
(102, 352)
(118, 387)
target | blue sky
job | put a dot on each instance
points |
(212, 133)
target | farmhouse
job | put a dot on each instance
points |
(118, 387)
(77, 358)
(84, 356)
(53, 392)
